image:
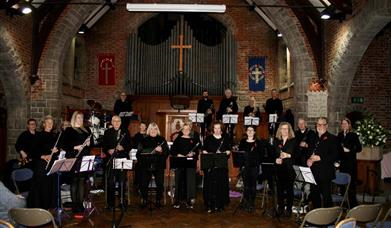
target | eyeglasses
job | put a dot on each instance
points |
(321, 124)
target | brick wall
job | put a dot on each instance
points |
(253, 36)
(373, 79)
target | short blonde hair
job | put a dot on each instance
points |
(48, 117)
(291, 134)
(153, 125)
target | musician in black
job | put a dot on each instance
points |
(273, 106)
(185, 178)
(137, 138)
(321, 162)
(205, 105)
(285, 144)
(252, 148)
(43, 194)
(123, 105)
(228, 106)
(349, 146)
(115, 144)
(251, 110)
(157, 145)
(304, 137)
(76, 142)
(216, 185)
(25, 142)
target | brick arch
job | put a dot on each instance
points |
(351, 48)
(51, 63)
(304, 67)
(13, 76)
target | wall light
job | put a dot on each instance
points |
(154, 7)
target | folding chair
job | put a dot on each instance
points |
(383, 223)
(366, 213)
(341, 181)
(5, 224)
(20, 175)
(347, 223)
(322, 216)
(31, 217)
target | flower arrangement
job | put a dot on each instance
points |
(370, 132)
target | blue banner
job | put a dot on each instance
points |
(256, 73)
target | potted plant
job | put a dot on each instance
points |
(372, 137)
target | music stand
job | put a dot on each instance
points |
(181, 163)
(151, 162)
(87, 165)
(121, 164)
(125, 114)
(269, 166)
(305, 177)
(251, 121)
(230, 119)
(59, 166)
(198, 118)
(213, 160)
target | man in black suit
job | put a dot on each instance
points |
(324, 154)
(304, 137)
(205, 105)
(116, 143)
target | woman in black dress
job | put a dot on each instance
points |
(216, 185)
(43, 191)
(252, 148)
(285, 145)
(350, 146)
(157, 145)
(76, 142)
(185, 178)
(137, 138)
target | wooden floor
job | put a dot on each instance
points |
(167, 216)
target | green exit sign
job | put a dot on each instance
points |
(357, 100)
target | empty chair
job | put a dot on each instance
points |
(31, 217)
(341, 181)
(365, 213)
(347, 223)
(384, 223)
(322, 216)
(20, 175)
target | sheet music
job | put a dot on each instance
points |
(125, 114)
(122, 163)
(87, 163)
(273, 118)
(62, 165)
(307, 175)
(196, 117)
(230, 118)
(249, 120)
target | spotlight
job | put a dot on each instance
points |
(83, 29)
(26, 10)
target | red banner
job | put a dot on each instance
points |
(106, 69)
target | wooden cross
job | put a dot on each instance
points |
(181, 46)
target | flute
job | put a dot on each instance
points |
(154, 150)
(51, 155)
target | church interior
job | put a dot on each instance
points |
(324, 58)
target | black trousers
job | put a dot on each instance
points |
(321, 191)
(119, 177)
(77, 192)
(250, 183)
(351, 168)
(159, 180)
(185, 184)
(285, 192)
(216, 188)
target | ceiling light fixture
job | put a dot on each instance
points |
(154, 7)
